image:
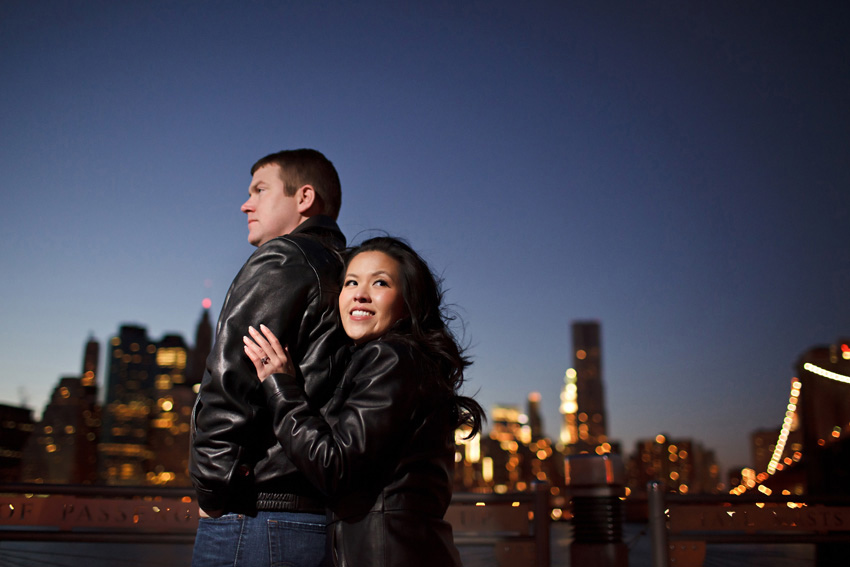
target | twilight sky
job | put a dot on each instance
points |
(678, 172)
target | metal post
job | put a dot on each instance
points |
(596, 485)
(657, 524)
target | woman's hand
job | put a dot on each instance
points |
(267, 354)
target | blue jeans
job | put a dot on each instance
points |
(276, 539)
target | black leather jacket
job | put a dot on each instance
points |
(290, 284)
(383, 453)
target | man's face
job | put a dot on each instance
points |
(270, 212)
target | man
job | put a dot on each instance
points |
(256, 508)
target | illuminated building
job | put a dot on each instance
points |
(16, 426)
(123, 450)
(569, 409)
(682, 466)
(179, 374)
(584, 428)
(150, 394)
(513, 456)
(510, 424)
(505, 448)
(473, 472)
(63, 447)
(170, 415)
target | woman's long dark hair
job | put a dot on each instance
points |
(425, 328)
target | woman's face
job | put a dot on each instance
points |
(370, 301)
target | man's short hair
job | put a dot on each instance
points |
(307, 167)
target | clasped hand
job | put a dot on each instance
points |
(267, 354)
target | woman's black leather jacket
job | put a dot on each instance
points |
(383, 454)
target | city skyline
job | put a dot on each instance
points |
(97, 370)
(676, 172)
(139, 433)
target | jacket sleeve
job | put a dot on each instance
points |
(372, 420)
(274, 288)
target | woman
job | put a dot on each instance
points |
(383, 449)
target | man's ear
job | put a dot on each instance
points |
(305, 198)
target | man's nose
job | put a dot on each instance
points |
(246, 206)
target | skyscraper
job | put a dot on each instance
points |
(535, 420)
(170, 413)
(91, 354)
(203, 344)
(583, 398)
(123, 448)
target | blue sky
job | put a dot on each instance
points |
(677, 172)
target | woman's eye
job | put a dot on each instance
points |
(349, 283)
(381, 283)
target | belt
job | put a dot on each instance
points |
(277, 502)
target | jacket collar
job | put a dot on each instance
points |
(322, 226)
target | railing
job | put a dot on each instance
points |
(510, 529)
(681, 526)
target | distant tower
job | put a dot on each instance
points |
(535, 421)
(123, 449)
(203, 344)
(88, 417)
(90, 362)
(583, 399)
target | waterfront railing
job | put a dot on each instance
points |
(509, 529)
